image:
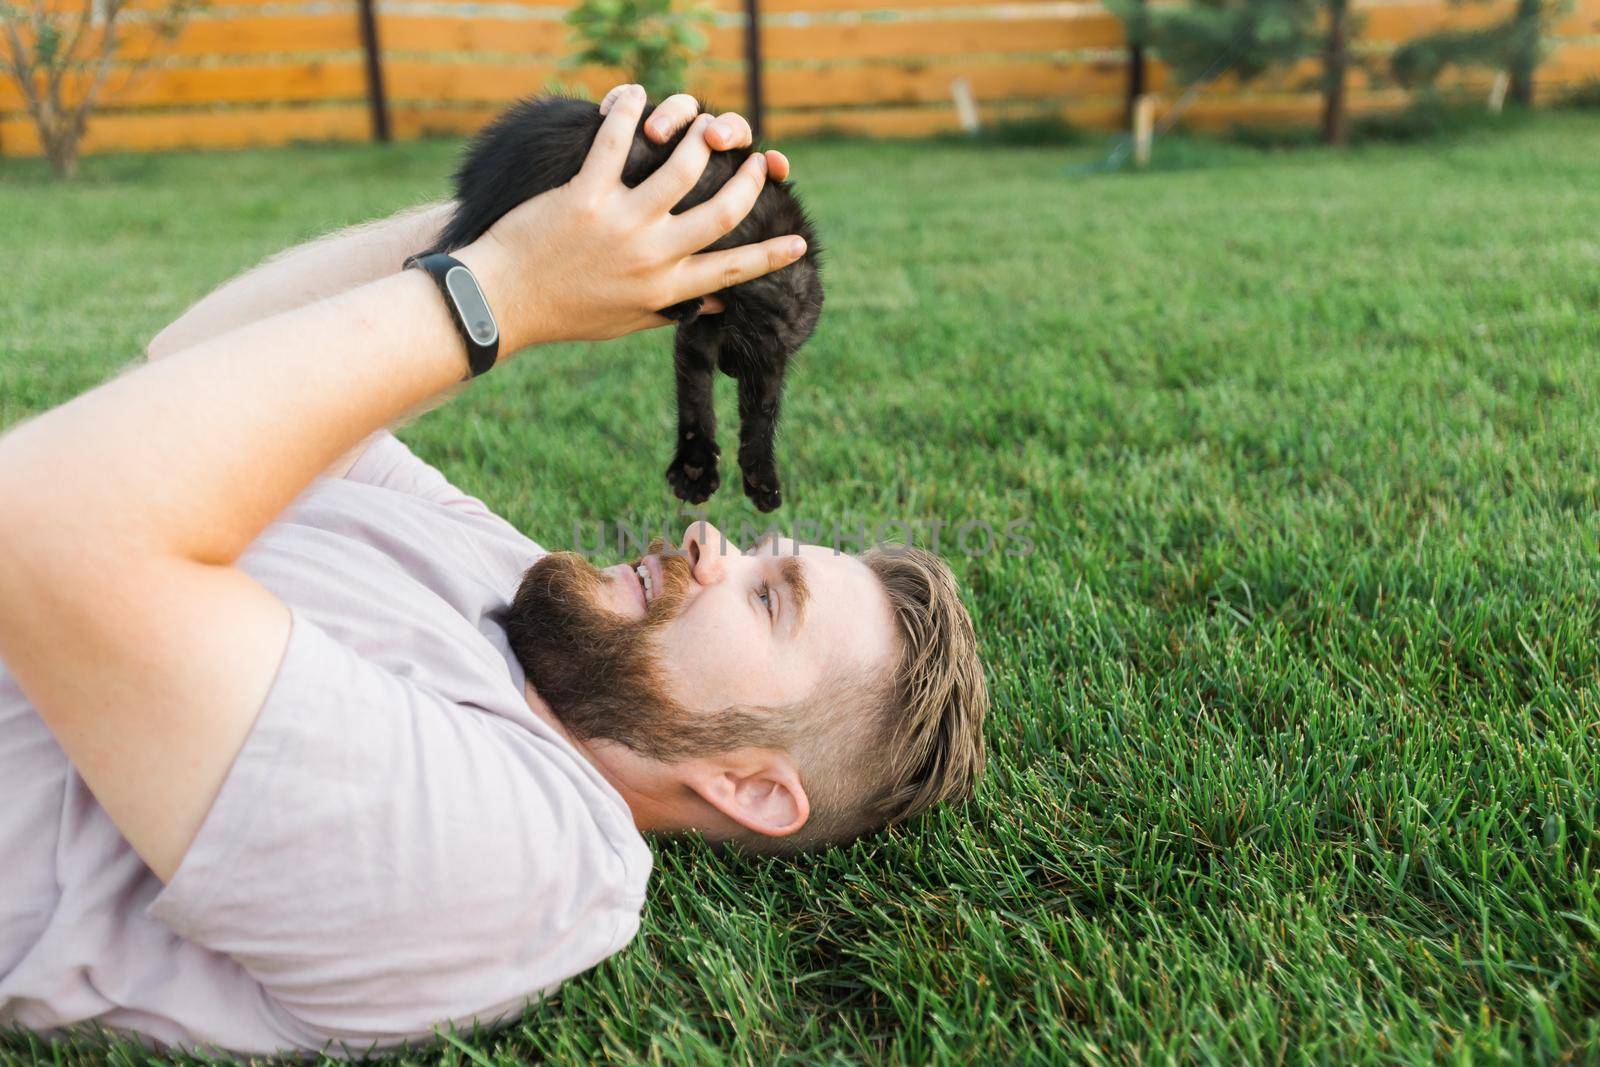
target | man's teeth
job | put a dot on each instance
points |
(644, 579)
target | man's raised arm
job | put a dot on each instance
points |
(303, 275)
(366, 252)
(356, 255)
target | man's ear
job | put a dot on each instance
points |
(758, 788)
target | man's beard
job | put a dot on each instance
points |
(599, 672)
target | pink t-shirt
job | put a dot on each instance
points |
(400, 845)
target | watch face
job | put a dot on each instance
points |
(471, 306)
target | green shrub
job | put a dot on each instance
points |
(653, 40)
(1585, 97)
(1429, 118)
(1271, 138)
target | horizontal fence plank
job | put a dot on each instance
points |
(880, 83)
(160, 131)
(1581, 20)
(1215, 114)
(1396, 23)
(449, 82)
(409, 121)
(921, 121)
(254, 35)
(1219, 113)
(932, 37)
(243, 128)
(1570, 65)
(224, 9)
(888, 83)
(310, 82)
(839, 85)
(834, 7)
(444, 33)
(246, 35)
(817, 42)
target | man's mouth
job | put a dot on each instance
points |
(651, 576)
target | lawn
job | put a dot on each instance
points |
(1296, 729)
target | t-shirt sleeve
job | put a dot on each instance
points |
(387, 462)
(384, 861)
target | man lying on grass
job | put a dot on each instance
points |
(271, 773)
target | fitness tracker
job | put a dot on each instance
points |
(474, 320)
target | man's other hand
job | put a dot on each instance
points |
(728, 130)
(594, 259)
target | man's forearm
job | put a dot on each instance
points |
(303, 275)
(192, 457)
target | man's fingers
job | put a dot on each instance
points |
(610, 151)
(673, 179)
(706, 273)
(611, 98)
(730, 130)
(711, 272)
(705, 223)
(670, 116)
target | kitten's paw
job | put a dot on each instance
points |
(693, 471)
(761, 486)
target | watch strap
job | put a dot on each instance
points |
(469, 308)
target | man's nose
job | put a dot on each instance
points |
(704, 546)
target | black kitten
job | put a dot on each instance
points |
(538, 145)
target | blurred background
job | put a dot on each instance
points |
(85, 76)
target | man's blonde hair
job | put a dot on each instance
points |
(899, 745)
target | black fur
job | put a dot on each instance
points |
(538, 145)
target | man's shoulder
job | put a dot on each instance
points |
(384, 859)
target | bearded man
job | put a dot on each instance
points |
(302, 747)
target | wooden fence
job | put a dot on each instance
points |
(247, 72)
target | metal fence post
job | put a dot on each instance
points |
(377, 100)
(752, 59)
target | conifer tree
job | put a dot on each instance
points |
(1515, 46)
(1251, 37)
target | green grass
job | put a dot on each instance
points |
(1296, 729)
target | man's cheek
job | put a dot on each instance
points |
(703, 667)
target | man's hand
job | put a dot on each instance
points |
(727, 131)
(594, 259)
